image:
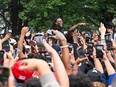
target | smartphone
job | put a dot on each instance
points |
(90, 48)
(80, 53)
(1, 57)
(2, 53)
(49, 32)
(6, 46)
(48, 58)
(108, 38)
(87, 39)
(39, 38)
(31, 30)
(99, 53)
(4, 75)
(70, 47)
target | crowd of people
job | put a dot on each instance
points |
(59, 59)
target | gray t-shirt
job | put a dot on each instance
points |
(49, 80)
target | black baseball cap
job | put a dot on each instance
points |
(94, 75)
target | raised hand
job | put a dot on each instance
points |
(102, 29)
(59, 35)
(24, 30)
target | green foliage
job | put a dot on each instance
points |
(41, 13)
(4, 14)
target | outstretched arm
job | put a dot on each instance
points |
(75, 26)
(65, 51)
(108, 65)
(21, 40)
(97, 62)
(62, 77)
(46, 76)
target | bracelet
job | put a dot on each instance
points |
(64, 46)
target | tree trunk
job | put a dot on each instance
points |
(16, 22)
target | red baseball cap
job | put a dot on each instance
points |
(23, 75)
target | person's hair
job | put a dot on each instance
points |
(54, 24)
(34, 82)
(79, 80)
(109, 25)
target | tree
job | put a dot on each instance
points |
(4, 15)
(40, 13)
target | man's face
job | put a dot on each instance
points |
(59, 22)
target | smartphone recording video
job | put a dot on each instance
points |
(39, 37)
(87, 39)
(70, 47)
(29, 33)
(108, 38)
(2, 53)
(31, 30)
(6, 46)
(49, 32)
(99, 53)
(89, 48)
(1, 56)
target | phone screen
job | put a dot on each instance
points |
(99, 53)
(31, 29)
(99, 48)
(1, 53)
(6, 45)
(70, 48)
(49, 32)
(4, 75)
(108, 38)
(90, 48)
(1, 57)
(39, 39)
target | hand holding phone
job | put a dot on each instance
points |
(49, 32)
(70, 48)
(99, 53)
(39, 39)
(108, 38)
(90, 48)
(6, 45)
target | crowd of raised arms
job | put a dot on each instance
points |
(55, 58)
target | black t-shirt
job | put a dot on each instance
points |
(56, 27)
